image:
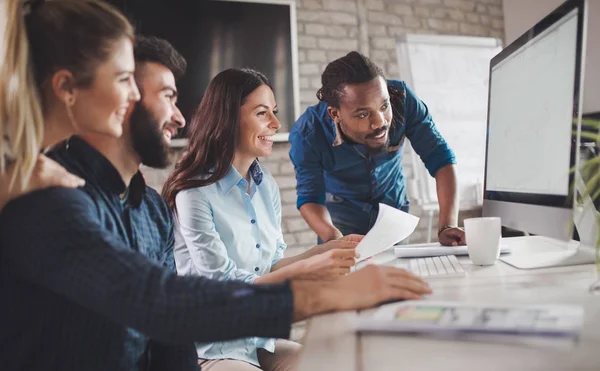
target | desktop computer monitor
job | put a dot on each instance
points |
(534, 121)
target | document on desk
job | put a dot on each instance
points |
(556, 321)
(391, 227)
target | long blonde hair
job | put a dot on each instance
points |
(61, 34)
(21, 118)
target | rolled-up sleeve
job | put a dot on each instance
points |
(310, 184)
(424, 137)
(206, 249)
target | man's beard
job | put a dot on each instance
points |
(148, 139)
(372, 150)
(382, 147)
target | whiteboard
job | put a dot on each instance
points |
(450, 74)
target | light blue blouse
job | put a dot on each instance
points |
(224, 233)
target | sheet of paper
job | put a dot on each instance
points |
(391, 227)
(457, 317)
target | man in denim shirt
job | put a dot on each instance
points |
(347, 152)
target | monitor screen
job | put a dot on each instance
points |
(530, 122)
(533, 124)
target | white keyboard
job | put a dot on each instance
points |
(437, 266)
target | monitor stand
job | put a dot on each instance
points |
(544, 252)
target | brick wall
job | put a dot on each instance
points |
(328, 29)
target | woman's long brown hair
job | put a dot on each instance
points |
(213, 134)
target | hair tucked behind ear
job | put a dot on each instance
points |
(21, 119)
(353, 68)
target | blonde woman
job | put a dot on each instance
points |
(55, 82)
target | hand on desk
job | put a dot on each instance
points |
(376, 284)
(363, 289)
(452, 237)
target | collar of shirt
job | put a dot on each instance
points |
(103, 172)
(234, 178)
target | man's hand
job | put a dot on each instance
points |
(452, 237)
(353, 238)
(363, 289)
(346, 242)
(334, 234)
(375, 284)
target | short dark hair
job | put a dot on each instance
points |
(353, 68)
(157, 50)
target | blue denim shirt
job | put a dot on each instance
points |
(224, 233)
(347, 171)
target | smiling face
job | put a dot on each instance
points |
(258, 123)
(155, 120)
(365, 114)
(101, 107)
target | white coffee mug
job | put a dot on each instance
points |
(483, 239)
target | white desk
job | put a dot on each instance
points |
(332, 344)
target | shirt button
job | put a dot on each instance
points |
(253, 221)
(258, 246)
(256, 269)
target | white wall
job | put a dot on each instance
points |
(520, 15)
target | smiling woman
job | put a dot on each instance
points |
(56, 82)
(219, 126)
(228, 210)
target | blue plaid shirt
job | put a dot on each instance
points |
(84, 284)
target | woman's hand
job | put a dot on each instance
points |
(46, 173)
(328, 265)
(347, 242)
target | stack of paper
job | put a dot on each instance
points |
(452, 317)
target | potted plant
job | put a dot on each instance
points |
(589, 170)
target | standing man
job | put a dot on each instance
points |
(347, 152)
